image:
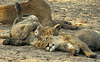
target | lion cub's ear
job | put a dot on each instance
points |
(39, 27)
(57, 27)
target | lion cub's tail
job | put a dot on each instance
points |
(19, 13)
(19, 10)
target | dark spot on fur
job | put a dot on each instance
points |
(22, 27)
(47, 45)
(65, 46)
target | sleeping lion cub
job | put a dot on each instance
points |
(64, 42)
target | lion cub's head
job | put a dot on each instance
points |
(46, 34)
(47, 31)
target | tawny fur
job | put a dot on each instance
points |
(33, 7)
(38, 8)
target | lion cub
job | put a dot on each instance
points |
(22, 25)
(64, 42)
(33, 39)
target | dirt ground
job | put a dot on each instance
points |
(84, 13)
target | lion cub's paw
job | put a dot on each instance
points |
(6, 42)
(92, 55)
(76, 53)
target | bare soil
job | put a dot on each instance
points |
(83, 13)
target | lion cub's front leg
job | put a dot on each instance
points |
(72, 39)
(86, 50)
(83, 46)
